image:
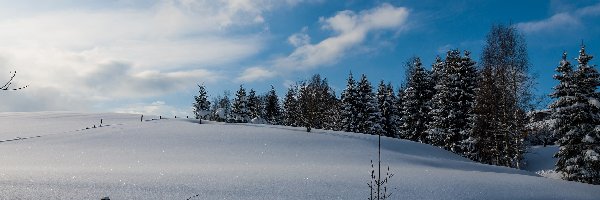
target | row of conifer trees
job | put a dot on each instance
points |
(476, 113)
(477, 110)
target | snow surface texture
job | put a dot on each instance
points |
(179, 158)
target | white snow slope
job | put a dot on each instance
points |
(177, 159)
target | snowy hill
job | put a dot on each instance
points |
(51, 155)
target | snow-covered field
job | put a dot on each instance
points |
(177, 159)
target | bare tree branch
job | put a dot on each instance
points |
(7, 85)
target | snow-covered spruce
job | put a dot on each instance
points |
(349, 104)
(272, 108)
(239, 107)
(387, 107)
(416, 104)
(201, 104)
(369, 117)
(452, 104)
(254, 105)
(315, 100)
(291, 107)
(577, 120)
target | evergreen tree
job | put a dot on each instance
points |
(291, 110)
(452, 104)
(329, 107)
(398, 104)
(239, 107)
(334, 115)
(349, 106)
(253, 105)
(262, 106)
(578, 120)
(315, 99)
(201, 104)
(363, 88)
(368, 117)
(437, 70)
(272, 108)
(307, 104)
(564, 93)
(386, 100)
(409, 68)
(394, 108)
(416, 104)
(467, 91)
(438, 129)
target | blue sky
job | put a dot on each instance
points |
(147, 56)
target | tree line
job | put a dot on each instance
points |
(476, 110)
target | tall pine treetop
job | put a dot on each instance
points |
(348, 108)
(564, 76)
(583, 58)
(587, 74)
(437, 69)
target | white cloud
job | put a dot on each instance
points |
(564, 20)
(593, 10)
(560, 21)
(230, 12)
(75, 55)
(350, 30)
(163, 36)
(299, 39)
(255, 73)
